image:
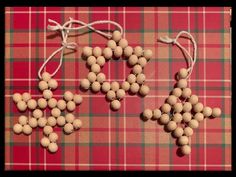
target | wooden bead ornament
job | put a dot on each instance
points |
(186, 93)
(42, 121)
(68, 128)
(61, 104)
(101, 60)
(138, 51)
(45, 142)
(32, 104)
(61, 121)
(111, 44)
(198, 107)
(27, 130)
(178, 107)
(123, 43)
(91, 60)
(120, 94)
(51, 121)
(26, 96)
(77, 99)
(183, 140)
(106, 86)
(171, 126)
(147, 114)
(77, 124)
(188, 131)
(165, 108)
(46, 76)
(47, 94)
(53, 137)
(147, 54)
(131, 78)
(182, 83)
(70, 105)
(177, 117)
(111, 95)
(171, 100)
(33, 123)
(85, 84)
(185, 149)
(193, 99)
(183, 73)
(95, 68)
(17, 128)
(144, 90)
(177, 92)
(47, 130)
(69, 118)
(125, 86)
(140, 78)
(52, 103)
(178, 132)
(142, 61)
(128, 51)
(116, 36)
(133, 59)
(137, 69)
(37, 113)
(53, 84)
(115, 86)
(92, 76)
(42, 103)
(198, 116)
(216, 112)
(43, 85)
(52, 147)
(187, 117)
(68, 96)
(101, 77)
(55, 112)
(17, 97)
(193, 124)
(21, 106)
(23, 120)
(164, 119)
(115, 105)
(156, 114)
(134, 88)
(97, 51)
(207, 111)
(118, 52)
(87, 51)
(96, 86)
(187, 107)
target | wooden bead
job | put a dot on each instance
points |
(87, 51)
(134, 88)
(21, 106)
(23, 120)
(120, 94)
(42, 103)
(186, 93)
(140, 78)
(171, 100)
(92, 76)
(147, 54)
(185, 149)
(156, 114)
(70, 106)
(47, 130)
(53, 137)
(138, 51)
(17, 128)
(147, 114)
(193, 123)
(177, 92)
(182, 83)
(17, 97)
(115, 86)
(133, 59)
(198, 116)
(137, 69)
(45, 142)
(183, 73)
(52, 103)
(171, 126)
(68, 128)
(115, 104)
(123, 43)
(51, 121)
(183, 140)
(128, 51)
(32, 104)
(46, 76)
(77, 124)
(216, 112)
(33, 123)
(42, 121)
(106, 86)
(142, 61)
(207, 111)
(177, 117)
(118, 52)
(131, 78)
(111, 44)
(91, 60)
(97, 51)
(111, 95)
(53, 84)
(116, 36)
(144, 90)
(37, 113)
(165, 108)
(178, 107)
(96, 86)
(193, 99)
(69, 118)
(187, 107)
(61, 121)
(85, 84)
(55, 112)
(107, 53)
(164, 119)
(27, 130)
(188, 131)
(47, 94)
(77, 99)
(125, 86)
(101, 61)
(68, 96)
(178, 132)
(95, 68)
(61, 104)
(198, 107)
(52, 147)
(101, 77)
(26, 96)
(187, 117)
(43, 85)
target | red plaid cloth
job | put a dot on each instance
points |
(120, 140)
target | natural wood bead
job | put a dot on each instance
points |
(147, 114)
(193, 123)
(27, 130)
(178, 107)
(115, 104)
(95, 68)
(156, 114)
(17, 97)
(101, 77)
(37, 113)
(198, 116)
(128, 51)
(147, 54)
(186, 93)
(47, 130)
(185, 149)
(33, 123)
(187, 117)
(96, 86)
(61, 121)
(69, 118)
(32, 104)
(42, 103)
(21, 106)
(91, 60)
(198, 107)
(140, 78)
(138, 51)
(111, 44)
(164, 119)
(177, 117)
(77, 124)
(115, 86)
(42, 121)
(182, 83)
(188, 131)
(171, 126)
(51, 121)
(53, 137)
(165, 108)
(53, 84)
(207, 111)
(120, 94)
(68, 96)
(101, 61)
(187, 107)
(216, 112)
(144, 90)
(193, 99)
(23, 120)
(92, 76)
(45, 142)
(68, 128)
(85, 84)
(70, 105)
(87, 51)
(183, 140)
(55, 112)
(123, 43)
(52, 103)
(46, 76)
(178, 132)
(61, 104)
(133, 59)
(52, 147)
(26, 96)
(183, 73)
(137, 69)
(118, 52)
(43, 85)
(97, 51)
(171, 100)
(142, 61)
(116, 36)
(77, 99)
(134, 88)
(111, 95)
(107, 53)
(131, 78)
(47, 94)
(177, 92)
(17, 128)
(106, 86)
(125, 86)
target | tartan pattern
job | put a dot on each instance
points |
(120, 140)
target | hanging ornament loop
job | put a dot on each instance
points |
(174, 41)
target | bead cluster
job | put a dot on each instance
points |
(181, 113)
(116, 48)
(68, 122)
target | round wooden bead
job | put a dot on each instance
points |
(42, 103)
(77, 99)
(61, 121)
(68, 128)
(92, 76)
(178, 107)
(68, 96)
(188, 131)
(137, 69)
(55, 112)
(187, 117)
(147, 54)
(207, 111)
(77, 124)
(147, 114)
(186, 93)
(96, 86)
(42, 121)
(111, 44)
(120, 94)
(46, 76)
(177, 92)
(17, 97)
(52, 147)
(140, 78)
(134, 88)
(47, 94)
(53, 137)
(183, 73)
(85, 84)
(123, 43)
(111, 95)
(144, 90)
(131, 78)
(142, 61)
(128, 51)
(171, 126)
(182, 83)
(87, 51)
(43, 85)
(70, 106)
(115, 104)
(193, 99)
(33, 123)
(138, 51)
(32, 104)
(116, 36)
(97, 51)
(164, 119)
(198, 107)
(101, 77)
(106, 86)
(37, 113)
(177, 117)
(27, 130)
(178, 132)
(216, 112)
(133, 59)
(107, 53)
(52, 103)
(61, 104)
(125, 86)
(171, 100)
(22, 106)
(47, 130)
(17, 128)
(22, 120)
(165, 108)
(118, 52)
(69, 118)
(187, 107)
(26, 96)
(185, 149)
(193, 123)
(95, 68)
(51, 121)
(45, 142)
(198, 116)
(115, 86)
(91, 60)
(53, 84)
(183, 140)
(101, 61)
(156, 114)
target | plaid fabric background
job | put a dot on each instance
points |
(120, 140)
